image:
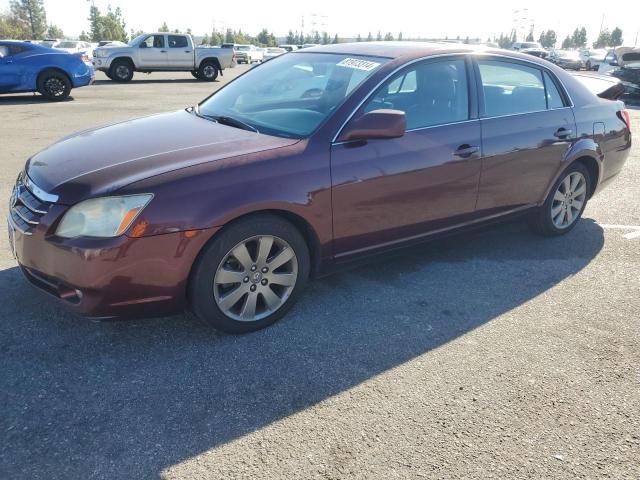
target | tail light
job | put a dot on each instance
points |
(625, 117)
(84, 57)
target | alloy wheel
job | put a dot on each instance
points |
(209, 71)
(255, 278)
(54, 87)
(122, 71)
(568, 200)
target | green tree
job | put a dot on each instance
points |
(359, 39)
(291, 39)
(567, 43)
(603, 40)
(325, 38)
(84, 36)
(388, 37)
(316, 37)
(55, 32)
(229, 37)
(369, 37)
(400, 36)
(216, 38)
(579, 38)
(113, 24)
(530, 36)
(336, 39)
(10, 28)
(30, 16)
(95, 24)
(550, 39)
(164, 27)
(205, 40)
(616, 37)
(379, 36)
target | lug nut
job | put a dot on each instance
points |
(253, 268)
(252, 288)
(265, 269)
(245, 279)
(264, 281)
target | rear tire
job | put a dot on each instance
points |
(208, 71)
(54, 85)
(232, 287)
(565, 203)
(121, 71)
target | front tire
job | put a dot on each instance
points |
(250, 275)
(565, 203)
(54, 85)
(121, 71)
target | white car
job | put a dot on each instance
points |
(289, 48)
(593, 57)
(273, 52)
(248, 54)
(75, 46)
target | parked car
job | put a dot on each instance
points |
(111, 43)
(273, 52)
(567, 59)
(49, 42)
(248, 54)
(517, 46)
(29, 67)
(592, 57)
(289, 48)
(624, 64)
(73, 46)
(536, 52)
(229, 206)
(161, 52)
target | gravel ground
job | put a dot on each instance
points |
(500, 355)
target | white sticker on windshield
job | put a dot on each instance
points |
(358, 64)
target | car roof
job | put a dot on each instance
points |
(409, 50)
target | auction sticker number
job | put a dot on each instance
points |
(358, 64)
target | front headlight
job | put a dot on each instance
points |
(100, 53)
(102, 217)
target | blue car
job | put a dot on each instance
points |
(28, 67)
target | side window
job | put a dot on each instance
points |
(511, 88)
(177, 41)
(4, 51)
(554, 99)
(430, 93)
(153, 41)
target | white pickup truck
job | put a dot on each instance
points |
(161, 52)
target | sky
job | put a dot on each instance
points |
(348, 18)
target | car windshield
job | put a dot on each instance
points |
(67, 45)
(136, 40)
(291, 95)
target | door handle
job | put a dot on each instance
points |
(465, 150)
(187, 51)
(562, 132)
(163, 51)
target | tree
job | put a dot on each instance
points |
(30, 18)
(579, 38)
(164, 27)
(336, 39)
(95, 24)
(229, 36)
(530, 36)
(325, 38)
(216, 38)
(10, 28)
(205, 40)
(379, 36)
(567, 42)
(549, 39)
(316, 37)
(603, 40)
(400, 36)
(388, 37)
(55, 32)
(291, 39)
(369, 37)
(616, 37)
(84, 36)
(359, 39)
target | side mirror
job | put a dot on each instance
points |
(383, 123)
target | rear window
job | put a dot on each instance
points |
(595, 85)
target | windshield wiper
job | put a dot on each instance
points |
(225, 120)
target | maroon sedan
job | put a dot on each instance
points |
(301, 163)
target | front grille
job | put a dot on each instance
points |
(26, 209)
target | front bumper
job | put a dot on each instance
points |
(101, 64)
(115, 277)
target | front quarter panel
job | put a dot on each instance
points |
(294, 179)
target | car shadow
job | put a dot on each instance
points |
(138, 81)
(29, 99)
(84, 399)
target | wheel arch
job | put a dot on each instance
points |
(213, 60)
(55, 69)
(126, 58)
(300, 223)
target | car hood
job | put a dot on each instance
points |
(99, 161)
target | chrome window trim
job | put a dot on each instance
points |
(464, 54)
(39, 193)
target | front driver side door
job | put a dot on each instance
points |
(389, 190)
(153, 52)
